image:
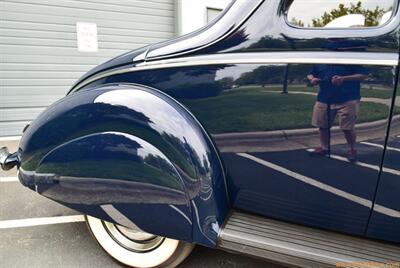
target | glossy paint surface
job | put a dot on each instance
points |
(109, 151)
(258, 115)
(263, 136)
(384, 225)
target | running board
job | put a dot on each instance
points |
(301, 246)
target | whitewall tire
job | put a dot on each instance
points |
(135, 248)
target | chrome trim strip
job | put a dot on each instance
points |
(181, 213)
(356, 58)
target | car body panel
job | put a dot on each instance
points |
(326, 198)
(109, 146)
(383, 225)
(243, 88)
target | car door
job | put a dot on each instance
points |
(266, 124)
(271, 166)
(252, 92)
(385, 217)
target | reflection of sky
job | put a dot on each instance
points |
(306, 10)
(234, 71)
(145, 149)
(122, 148)
(237, 70)
(184, 78)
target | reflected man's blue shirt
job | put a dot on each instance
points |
(348, 91)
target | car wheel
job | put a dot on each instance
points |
(135, 248)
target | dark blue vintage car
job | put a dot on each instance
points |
(270, 132)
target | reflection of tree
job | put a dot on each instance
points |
(371, 16)
(160, 163)
(184, 83)
(262, 75)
(382, 76)
(297, 22)
(187, 151)
(192, 88)
(197, 90)
(226, 82)
(298, 73)
(270, 42)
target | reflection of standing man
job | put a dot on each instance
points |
(339, 87)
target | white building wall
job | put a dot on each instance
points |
(192, 14)
(39, 56)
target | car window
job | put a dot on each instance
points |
(340, 13)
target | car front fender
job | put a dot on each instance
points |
(128, 154)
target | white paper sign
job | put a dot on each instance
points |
(86, 33)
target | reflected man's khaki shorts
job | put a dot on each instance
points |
(347, 113)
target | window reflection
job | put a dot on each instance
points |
(339, 14)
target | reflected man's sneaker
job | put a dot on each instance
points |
(352, 155)
(319, 152)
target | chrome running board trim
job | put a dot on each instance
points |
(301, 246)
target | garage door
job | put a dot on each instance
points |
(39, 57)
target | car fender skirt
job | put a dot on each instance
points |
(131, 155)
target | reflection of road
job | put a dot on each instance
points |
(387, 102)
(292, 139)
(353, 182)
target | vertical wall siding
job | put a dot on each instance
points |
(39, 59)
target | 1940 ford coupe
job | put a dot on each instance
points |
(274, 132)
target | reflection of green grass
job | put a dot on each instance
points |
(377, 93)
(122, 170)
(258, 110)
(366, 91)
(372, 112)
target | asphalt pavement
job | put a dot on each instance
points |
(37, 232)
(46, 237)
